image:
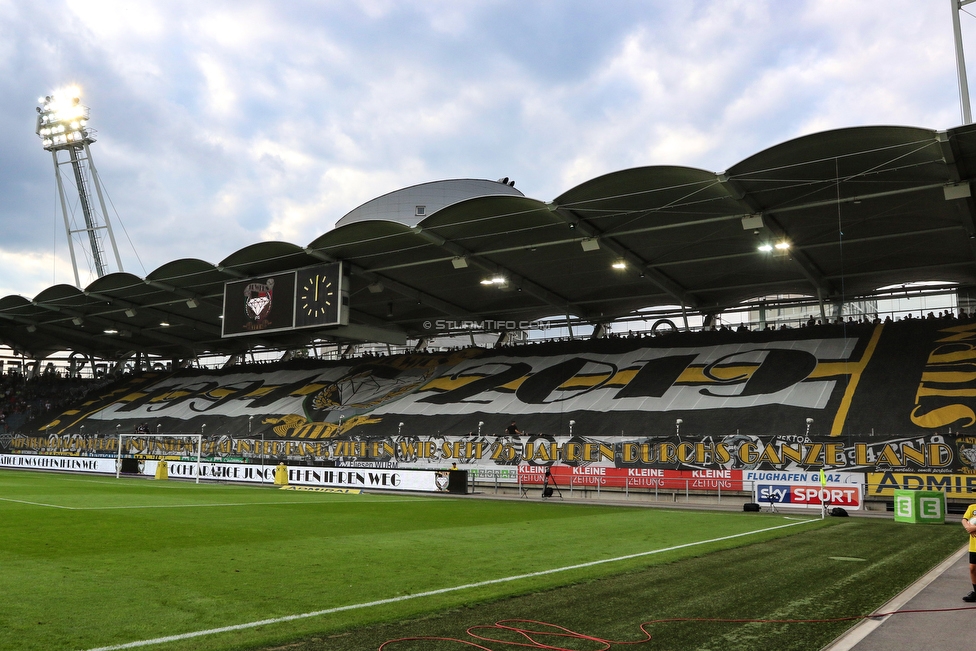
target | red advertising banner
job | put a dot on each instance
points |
(655, 478)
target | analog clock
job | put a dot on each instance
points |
(318, 296)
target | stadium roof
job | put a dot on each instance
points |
(860, 208)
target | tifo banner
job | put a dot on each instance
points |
(892, 398)
(491, 456)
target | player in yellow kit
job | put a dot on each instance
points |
(970, 528)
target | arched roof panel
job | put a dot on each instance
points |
(410, 205)
(374, 243)
(266, 257)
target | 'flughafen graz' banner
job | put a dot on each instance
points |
(893, 398)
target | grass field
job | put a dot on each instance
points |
(92, 562)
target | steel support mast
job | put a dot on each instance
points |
(967, 114)
(62, 125)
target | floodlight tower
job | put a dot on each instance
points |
(62, 125)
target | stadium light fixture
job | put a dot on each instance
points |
(765, 248)
(619, 265)
(164, 324)
(62, 121)
(459, 262)
(110, 331)
(62, 126)
(782, 246)
(590, 244)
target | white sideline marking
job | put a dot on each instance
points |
(53, 506)
(429, 593)
(170, 506)
(147, 506)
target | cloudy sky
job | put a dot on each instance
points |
(225, 123)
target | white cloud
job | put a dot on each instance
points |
(35, 272)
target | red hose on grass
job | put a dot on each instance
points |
(527, 631)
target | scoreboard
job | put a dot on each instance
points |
(311, 297)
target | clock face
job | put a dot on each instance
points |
(318, 297)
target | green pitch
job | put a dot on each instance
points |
(89, 562)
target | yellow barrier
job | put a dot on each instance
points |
(281, 475)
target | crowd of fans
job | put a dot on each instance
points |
(23, 400)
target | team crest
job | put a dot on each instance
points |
(966, 447)
(257, 304)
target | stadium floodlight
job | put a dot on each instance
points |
(62, 126)
(495, 280)
(619, 265)
(765, 248)
(782, 246)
